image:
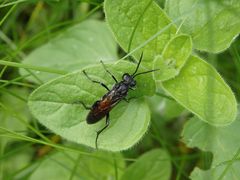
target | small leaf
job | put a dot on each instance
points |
(53, 105)
(200, 89)
(134, 23)
(174, 56)
(213, 24)
(152, 165)
(223, 142)
(100, 166)
(81, 45)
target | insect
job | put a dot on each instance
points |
(119, 91)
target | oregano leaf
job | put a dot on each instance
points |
(217, 172)
(200, 89)
(174, 56)
(213, 25)
(223, 142)
(133, 23)
(154, 164)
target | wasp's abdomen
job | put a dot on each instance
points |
(102, 107)
(99, 110)
(94, 118)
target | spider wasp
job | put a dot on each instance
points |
(119, 91)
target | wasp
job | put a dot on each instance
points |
(119, 91)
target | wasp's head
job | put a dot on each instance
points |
(128, 80)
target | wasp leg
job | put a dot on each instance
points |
(100, 131)
(83, 104)
(109, 72)
(105, 86)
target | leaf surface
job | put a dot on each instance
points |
(134, 23)
(223, 142)
(200, 89)
(173, 58)
(213, 25)
(152, 165)
(216, 173)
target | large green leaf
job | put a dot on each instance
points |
(81, 45)
(232, 173)
(133, 23)
(53, 105)
(152, 165)
(62, 166)
(173, 58)
(200, 89)
(213, 24)
(223, 142)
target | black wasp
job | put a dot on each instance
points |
(119, 91)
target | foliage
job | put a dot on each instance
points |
(101, 166)
(194, 92)
(152, 165)
(213, 25)
(70, 50)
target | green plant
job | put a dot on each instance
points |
(175, 40)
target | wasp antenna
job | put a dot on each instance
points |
(139, 62)
(145, 72)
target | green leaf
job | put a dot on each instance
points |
(152, 165)
(81, 45)
(216, 173)
(223, 142)
(213, 24)
(61, 166)
(174, 56)
(164, 108)
(200, 89)
(134, 23)
(171, 109)
(53, 105)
